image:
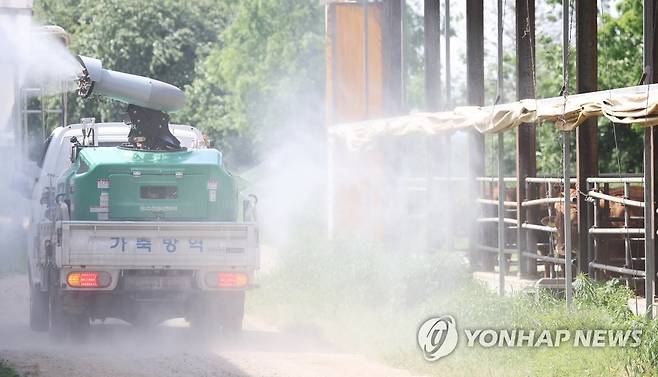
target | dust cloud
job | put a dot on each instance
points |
(353, 238)
(31, 58)
(348, 236)
(33, 64)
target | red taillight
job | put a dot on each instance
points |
(89, 279)
(227, 279)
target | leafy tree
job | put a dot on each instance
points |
(266, 77)
(619, 65)
(248, 68)
(160, 39)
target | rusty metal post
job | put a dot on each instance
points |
(502, 258)
(501, 168)
(392, 58)
(431, 19)
(566, 159)
(526, 148)
(649, 228)
(475, 52)
(596, 213)
(587, 133)
(566, 162)
(628, 260)
(591, 219)
(650, 163)
(475, 95)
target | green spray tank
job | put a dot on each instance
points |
(151, 177)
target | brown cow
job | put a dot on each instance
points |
(611, 216)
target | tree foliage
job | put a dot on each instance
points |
(159, 39)
(619, 65)
(247, 67)
(267, 75)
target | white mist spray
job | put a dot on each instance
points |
(32, 58)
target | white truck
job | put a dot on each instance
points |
(80, 271)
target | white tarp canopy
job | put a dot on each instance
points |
(631, 105)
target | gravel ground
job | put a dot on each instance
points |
(117, 349)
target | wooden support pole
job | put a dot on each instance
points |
(526, 143)
(587, 133)
(431, 19)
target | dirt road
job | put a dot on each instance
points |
(117, 349)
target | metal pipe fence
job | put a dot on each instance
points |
(533, 231)
(601, 215)
(496, 224)
(542, 237)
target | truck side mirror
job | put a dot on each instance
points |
(46, 196)
(75, 148)
(249, 208)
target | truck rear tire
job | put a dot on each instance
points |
(39, 310)
(220, 310)
(59, 326)
(64, 323)
(80, 326)
(231, 311)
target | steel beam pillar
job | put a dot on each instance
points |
(431, 19)
(526, 143)
(587, 133)
(392, 56)
(650, 159)
(475, 96)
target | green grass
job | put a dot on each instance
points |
(6, 370)
(371, 299)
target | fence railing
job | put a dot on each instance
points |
(535, 241)
(597, 217)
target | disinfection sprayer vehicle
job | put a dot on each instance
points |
(137, 220)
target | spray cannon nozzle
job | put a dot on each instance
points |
(148, 101)
(85, 84)
(131, 89)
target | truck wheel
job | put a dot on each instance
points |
(231, 312)
(59, 324)
(39, 310)
(63, 324)
(80, 326)
(203, 318)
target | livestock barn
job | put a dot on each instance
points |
(519, 229)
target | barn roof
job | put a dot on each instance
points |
(630, 105)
